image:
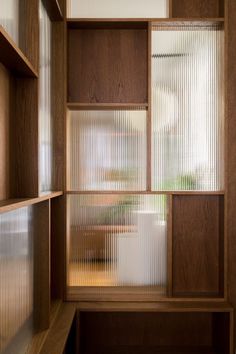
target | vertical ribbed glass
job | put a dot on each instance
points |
(107, 150)
(45, 116)
(16, 280)
(9, 18)
(118, 9)
(117, 240)
(187, 108)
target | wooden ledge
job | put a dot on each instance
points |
(13, 58)
(58, 333)
(12, 204)
(183, 306)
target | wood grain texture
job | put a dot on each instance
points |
(169, 246)
(12, 204)
(198, 246)
(57, 248)
(24, 139)
(53, 9)
(230, 39)
(12, 57)
(58, 103)
(142, 332)
(100, 330)
(39, 338)
(58, 333)
(29, 30)
(5, 94)
(107, 66)
(106, 106)
(186, 305)
(106, 293)
(148, 192)
(41, 225)
(197, 8)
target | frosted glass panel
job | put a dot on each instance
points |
(16, 280)
(116, 9)
(45, 118)
(9, 18)
(107, 150)
(117, 240)
(187, 110)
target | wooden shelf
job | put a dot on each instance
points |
(106, 106)
(82, 23)
(13, 58)
(12, 204)
(58, 333)
(107, 23)
(54, 10)
(148, 192)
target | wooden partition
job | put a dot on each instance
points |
(110, 60)
(152, 332)
(19, 183)
(198, 245)
(196, 8)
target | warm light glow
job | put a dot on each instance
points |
(117, 240)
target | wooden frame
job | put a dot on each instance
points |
(109, 294)
(19, 166)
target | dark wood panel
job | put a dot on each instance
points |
(12, 57)
(24, 139)
(197, 8)
(53, 9)
(107, 23)
(107, 66)
(58, 103)
(100, 330)
(231, 149)
(222, 332)
(198, 245)
(29, 30)
(57, 336)
(58, 253)
(5, 94)
(41, 227)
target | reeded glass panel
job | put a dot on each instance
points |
(117, 240)
(45, 117)
(107, 150)
(116, 9)
(187, 117)
(9, 18)
(16, 280)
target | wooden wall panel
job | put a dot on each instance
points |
(5, 101)
(24, 139)
(29, 30)
(197, 8)
(231, 149)
(198, 245)
(107, 66)
(41, 227)
(58, 103)
(109, 332)
(57, 248)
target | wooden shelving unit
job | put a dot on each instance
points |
(106, 106)
(13, 58)
(12, 204)
(105, 64)
(54, 9)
